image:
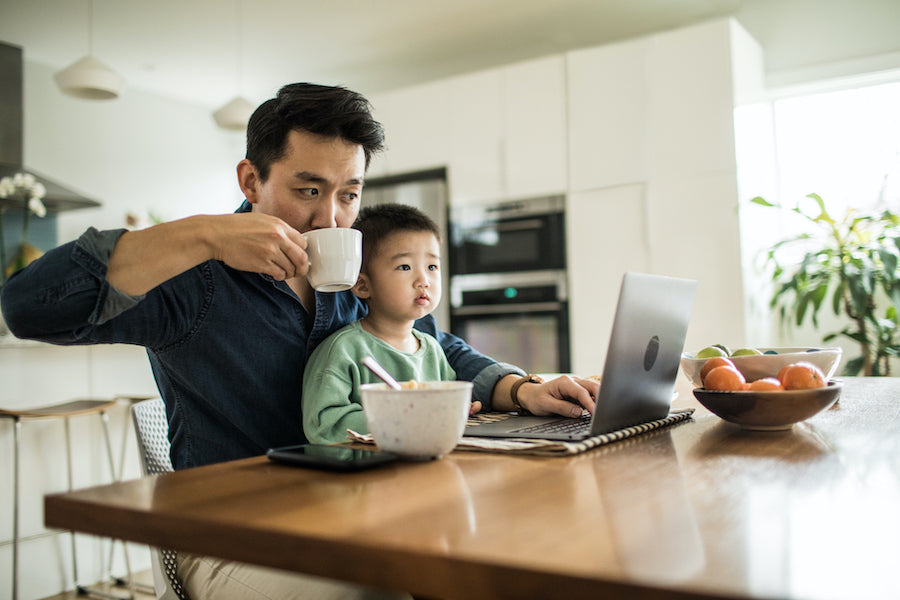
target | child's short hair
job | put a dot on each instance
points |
(379, 221)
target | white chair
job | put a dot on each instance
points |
(152, 432)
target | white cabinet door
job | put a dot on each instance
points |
(416, 132)
(691, 109)
(508, 135)
(608, 134)
(475, 120)
(535, 153)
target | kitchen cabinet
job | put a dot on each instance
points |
(508, 132)
(415, 125)
(475, 166)
(659, 107)
(535, 153)
(653, 175)
(609, 140)
(690, 111)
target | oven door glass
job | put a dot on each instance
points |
(527, 244)
(532, 341)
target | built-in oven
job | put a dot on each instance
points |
(520, 318)
(508, 237)
(508, 290)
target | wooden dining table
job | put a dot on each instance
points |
(700, 509)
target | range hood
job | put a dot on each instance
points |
(59, 197)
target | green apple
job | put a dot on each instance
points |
(711, 351)
(724, 348)
(746, 352)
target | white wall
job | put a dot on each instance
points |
(138, 153)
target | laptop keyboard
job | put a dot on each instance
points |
(564, 426)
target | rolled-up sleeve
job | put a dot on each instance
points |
(55, 297)
(92, 251)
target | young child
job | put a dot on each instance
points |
(400, 281)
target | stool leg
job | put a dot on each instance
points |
(17, 426)
(104, 418)
(70, 487)
(118, 477)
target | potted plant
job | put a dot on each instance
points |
(25, 192)
(850, 264)
(22, 192)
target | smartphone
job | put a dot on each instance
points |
(330, 458)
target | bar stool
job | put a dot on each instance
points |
(63, 411)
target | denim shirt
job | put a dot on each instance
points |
(227, 348)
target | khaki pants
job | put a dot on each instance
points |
(211, 578)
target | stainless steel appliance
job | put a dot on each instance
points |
(524, 235)
(427, 191)
(508, 288)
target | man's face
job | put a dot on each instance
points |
(316, 184)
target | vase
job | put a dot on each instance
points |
(26, 255)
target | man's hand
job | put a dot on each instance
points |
(260, 243)
(566, 395)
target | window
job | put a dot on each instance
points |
(843, 145)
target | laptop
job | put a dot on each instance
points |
(638, 380)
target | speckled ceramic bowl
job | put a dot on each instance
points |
(767, 365)
(419, 423)
(769, 411)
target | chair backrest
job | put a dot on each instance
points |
(151, 429)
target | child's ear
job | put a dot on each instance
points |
(361, 287)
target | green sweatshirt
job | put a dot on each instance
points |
(331, 400)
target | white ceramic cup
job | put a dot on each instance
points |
(335, 257)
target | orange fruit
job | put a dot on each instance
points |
(725, 379)
(712, 363)
(801, 376)
(766, 384)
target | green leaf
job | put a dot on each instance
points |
(817, 296)
(838, 297)
(800, 310)
(856, 336)
(762, 201)
(854, 366)
(823, 214)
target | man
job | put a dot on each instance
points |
(222, 302)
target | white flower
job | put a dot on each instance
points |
(7, 187)
(36, 206)
(24, 183)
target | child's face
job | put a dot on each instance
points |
(403, 280)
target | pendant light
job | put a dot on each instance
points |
(88, 78)
(236, 112)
